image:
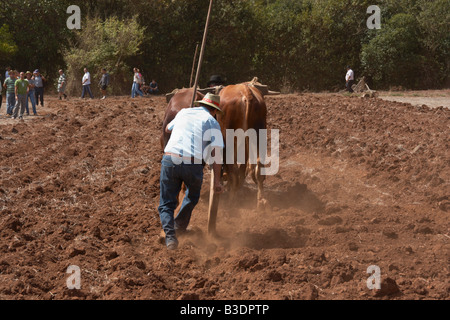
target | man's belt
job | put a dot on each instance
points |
(190, 160)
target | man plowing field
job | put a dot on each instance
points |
(183, 160)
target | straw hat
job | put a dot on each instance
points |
(211, 100)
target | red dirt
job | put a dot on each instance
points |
(362, 182)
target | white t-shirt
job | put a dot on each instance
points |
(349, 75)
(193, 129)
(87, 76)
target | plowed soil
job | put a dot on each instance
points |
(362, 182)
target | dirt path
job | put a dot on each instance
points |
(361, 182)
(431, 98)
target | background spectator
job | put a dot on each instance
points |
(86, 82)
(10, 94)
(104, 82)
(137, 82)
(21, 91)
(39, 87)
(62, 83)
(31, 93)
(153, 87)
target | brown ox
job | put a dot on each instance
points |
(243, 108)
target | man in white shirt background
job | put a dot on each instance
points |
(349, 79)
(86, 82)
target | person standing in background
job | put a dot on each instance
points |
(8, 69)
(349, 79)
(104, 83)
(86, 82)
(21, 90)
(10, 97)
(62, 82)
(31, 93)
(137, 81)
(39, 87)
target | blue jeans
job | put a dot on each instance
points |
(10, 102)
(31, 96)
(172, 176)
(87, 88)
(136, 90)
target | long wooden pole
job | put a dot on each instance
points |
(193, 65)
(200, 60)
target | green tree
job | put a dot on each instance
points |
(434, 21)
(39, 31)
(393, 57)
(104, 44)
(7, 45)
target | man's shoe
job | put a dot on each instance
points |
(172, 246)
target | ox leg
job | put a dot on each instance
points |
(232, 184)
(258, 178)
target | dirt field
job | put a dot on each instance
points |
(362, 182)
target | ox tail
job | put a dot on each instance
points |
(247, 97)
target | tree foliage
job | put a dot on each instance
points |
(104, 44)
(393, 55)
(38, 29)
(289, 44)
(7, 45)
